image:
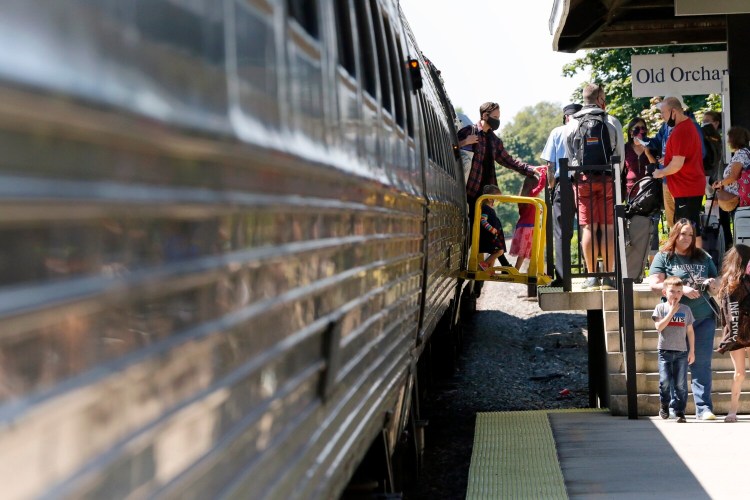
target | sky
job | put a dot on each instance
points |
(492, 50)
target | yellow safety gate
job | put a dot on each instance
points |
(535, 274)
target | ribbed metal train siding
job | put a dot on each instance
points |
(182, 313)
(177, 338)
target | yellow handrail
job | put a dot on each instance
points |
(536, 261)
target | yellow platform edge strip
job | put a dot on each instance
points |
(515, 456)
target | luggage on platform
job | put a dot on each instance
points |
(713, 235)
(742, 226)
(643, 202)
(638, 231)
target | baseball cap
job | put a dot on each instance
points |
(571, 109)
(676, 96)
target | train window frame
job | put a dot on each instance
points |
(306, 14)
(386, 92)
(346, 55)
(366, 48)
(429, 131)
(405, 92)
(396, 83)
(447, 151)
(441, 136)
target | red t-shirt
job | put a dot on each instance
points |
(690, 180)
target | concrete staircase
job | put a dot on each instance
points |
(647, 372)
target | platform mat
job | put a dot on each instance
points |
(515, 456)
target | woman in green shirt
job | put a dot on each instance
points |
(680, 257)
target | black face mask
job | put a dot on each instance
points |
(670, 122)
(494, 123)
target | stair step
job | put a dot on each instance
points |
(648, 383)
(641, 320)
(648, 404)
(643, 298)
(645, 340)
(647, 361)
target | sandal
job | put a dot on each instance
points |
(730, 418)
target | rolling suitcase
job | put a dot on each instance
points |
(643, 201)
(713, 235)
(637, 244)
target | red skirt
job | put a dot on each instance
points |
(521, 245)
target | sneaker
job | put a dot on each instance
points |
(608, 284)
(591, 283)
(707, 415)
(664, 413)
(681, 418)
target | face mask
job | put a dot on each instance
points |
(671, 122)
(494, 123)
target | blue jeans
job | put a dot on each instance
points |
(673, 367)
(700, 371)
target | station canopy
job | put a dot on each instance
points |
(593, 24)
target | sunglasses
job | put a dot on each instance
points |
(638, 129)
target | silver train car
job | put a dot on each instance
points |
(230, 234)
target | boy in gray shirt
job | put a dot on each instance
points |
(674, 321)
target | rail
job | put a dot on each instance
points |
(591, 177)
(535, 272)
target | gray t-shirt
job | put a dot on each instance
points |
(674, 335)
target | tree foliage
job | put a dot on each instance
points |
(611, 68)
(524, 137)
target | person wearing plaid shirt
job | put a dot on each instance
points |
(488, 149)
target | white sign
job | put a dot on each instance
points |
(686, 74)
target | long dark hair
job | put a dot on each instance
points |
(738, 137)
(693, 252)
(632, 123)
(733, 268)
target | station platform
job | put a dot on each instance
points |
(601, 456)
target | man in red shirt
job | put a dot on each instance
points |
(683, 160)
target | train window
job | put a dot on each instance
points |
(398, 92)
(305, 12)
(441, 137)
(367, 52)
(385, 82)
(448, 152)
(406, 93)
(344, 36)
(429, 131)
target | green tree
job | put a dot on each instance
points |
(524, 137)
(611, 68)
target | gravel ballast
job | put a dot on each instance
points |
(514, 357)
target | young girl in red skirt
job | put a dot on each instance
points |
(522, 236)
